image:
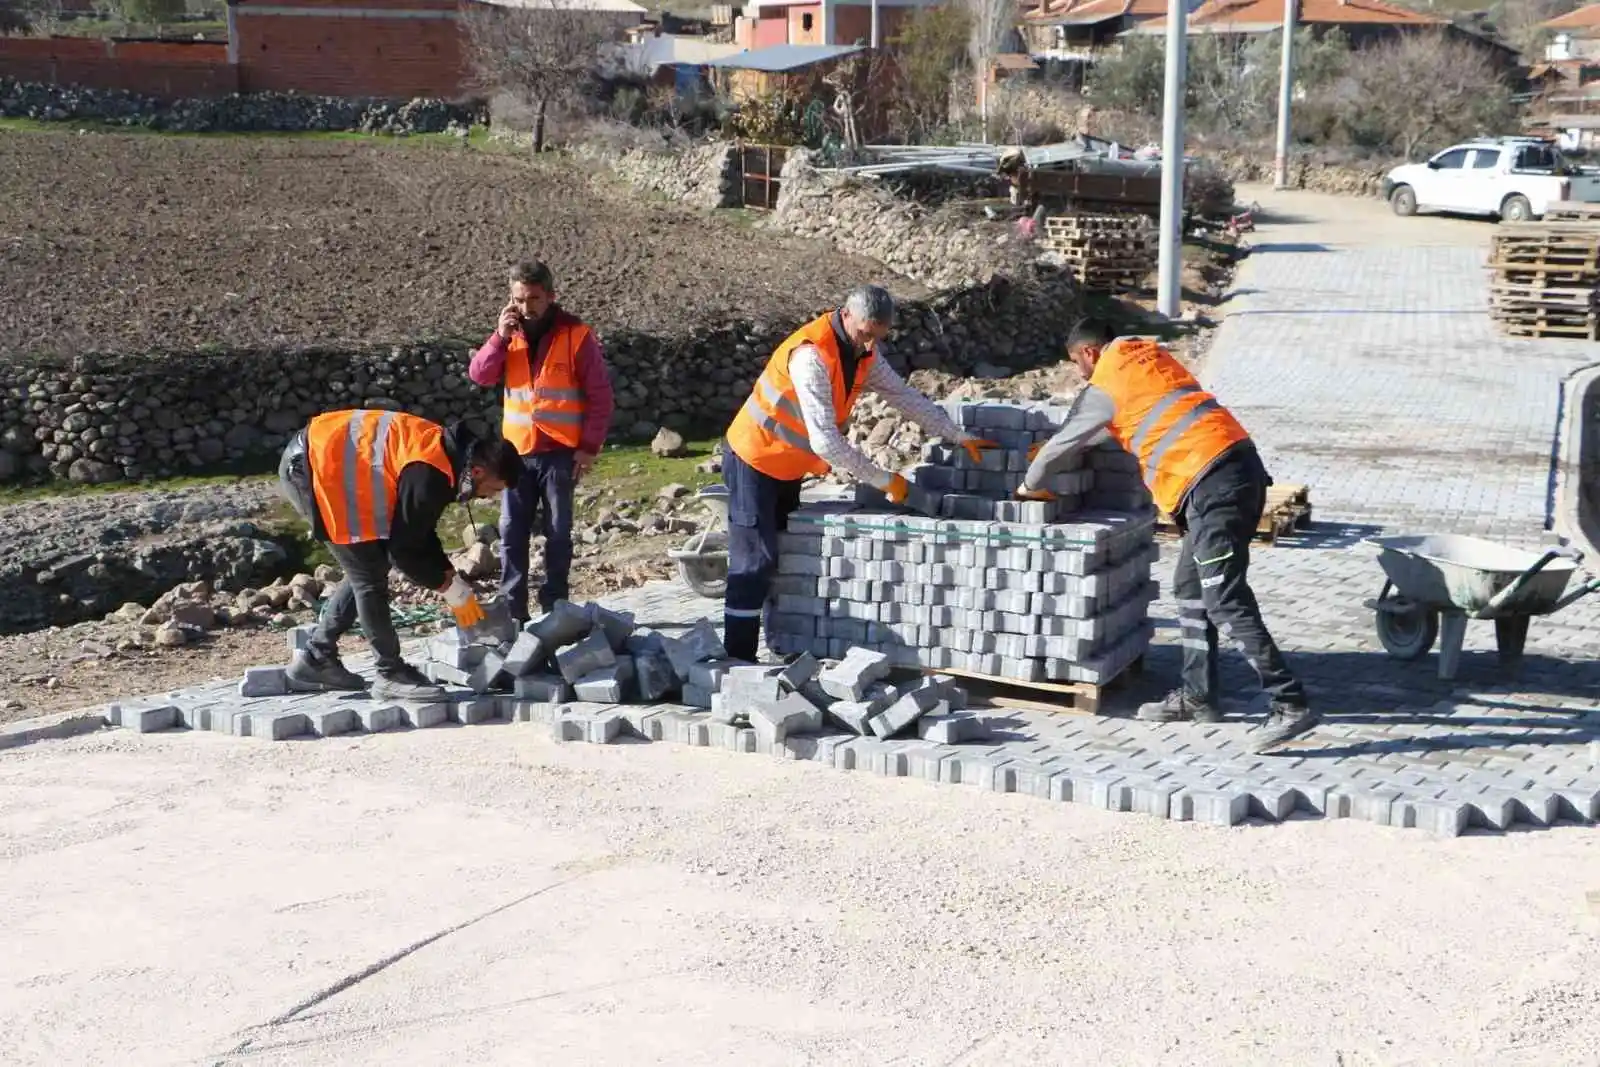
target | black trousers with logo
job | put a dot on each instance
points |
(1218, 519)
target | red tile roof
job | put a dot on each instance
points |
(1585, 18)
(1220, 14)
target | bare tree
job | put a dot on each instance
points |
(992, 21)
(541, 52)
(1521, 23)
(1422, 91)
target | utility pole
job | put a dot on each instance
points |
(874, 25)
(1170, 287)
(1280, 163)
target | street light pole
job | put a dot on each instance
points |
(1280, 168)
(1169, 289)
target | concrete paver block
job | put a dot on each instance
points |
(424, 716)
(849, 678)
(696, 696)
(263, 682)
(278, 725)
(544, 688)
(1216, 807)
(564, 624)
(608, 685)
(699, 643)
(952, 729)
(487, 673)
(474, 710)
(145, 720)
(525, 655)
(376, 718)
(584, 658)
(654, 676)
(617, 626)
(773, 720)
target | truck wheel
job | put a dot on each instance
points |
(1403, 201)
(1516, 208)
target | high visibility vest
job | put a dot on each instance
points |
(769, 433)
(356, 458)
(1174, 427)
(549, 407)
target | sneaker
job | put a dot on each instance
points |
(307, 674)
(1178, 706)
(1285, 722)
(405, 682)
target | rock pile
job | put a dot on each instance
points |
(704, 176)
(188, 612)
(254, 112)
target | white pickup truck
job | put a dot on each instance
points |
(1510, 178)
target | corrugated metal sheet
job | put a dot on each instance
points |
(784, 57)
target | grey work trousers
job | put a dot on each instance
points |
(1210, 584)
(363, 592)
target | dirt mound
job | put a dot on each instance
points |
(116, 242)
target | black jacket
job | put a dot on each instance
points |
(421, 496)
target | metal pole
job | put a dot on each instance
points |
(1170, 288)
(1280, 163)
(874, 24)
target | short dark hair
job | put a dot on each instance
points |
(1089, 332)
(499, 457)
(534, 272)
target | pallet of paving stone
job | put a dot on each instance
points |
(1288, 509)
(1074, 698)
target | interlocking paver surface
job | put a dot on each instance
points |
(1371, 374)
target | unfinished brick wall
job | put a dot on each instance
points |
(169, 70)
(383, 48)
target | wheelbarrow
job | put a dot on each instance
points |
(1434, 583)
(703, 559)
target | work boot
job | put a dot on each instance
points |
(308, 674)
(405, 682)
(1284, 722)
(1178, 706)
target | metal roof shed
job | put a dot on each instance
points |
(784, 58)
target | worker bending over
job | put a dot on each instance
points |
(792, 426)
(373, 485)
(557, 409)
(1204, 471)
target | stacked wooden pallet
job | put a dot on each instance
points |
(1546, 278)
(1106, 253)
(1571, 211)
(1288, 509)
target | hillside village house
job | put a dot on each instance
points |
(1575, 35)
(1074, 29)
(826, 22)
(1362, 21)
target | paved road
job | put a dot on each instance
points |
(1368, 369)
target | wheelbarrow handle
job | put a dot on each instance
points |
(1505, 595)
(1579, 593)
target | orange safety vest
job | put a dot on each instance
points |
(356, 458)
(769, 433)
(549, 407)
(1174, 427)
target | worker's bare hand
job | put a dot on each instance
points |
(510, 320)
(1024, 493)
(582, 463)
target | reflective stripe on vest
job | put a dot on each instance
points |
(356, 457)
(769, 431)
(551, 406)
(1163, 417)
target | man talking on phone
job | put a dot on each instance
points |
(556, 411)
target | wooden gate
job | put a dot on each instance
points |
(760, 166)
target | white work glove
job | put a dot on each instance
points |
(463, 603)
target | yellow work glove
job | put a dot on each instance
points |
(1024, 493)
(976, 446)
(463, 604)
(898, 489)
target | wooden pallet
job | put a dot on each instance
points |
(1076, 225)
(1288, 509)
(1572, 211)
(1073, 698)
(1566, 331)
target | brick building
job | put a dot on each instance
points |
(391, 48)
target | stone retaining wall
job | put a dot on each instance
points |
(1307, 172)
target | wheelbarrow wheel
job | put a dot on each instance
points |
(1407, 632)
(708, 578)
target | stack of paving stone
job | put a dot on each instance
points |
(1024, 591)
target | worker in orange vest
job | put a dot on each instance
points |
(1202, 469)
(792, 427)
(374, 484)
(557, 410)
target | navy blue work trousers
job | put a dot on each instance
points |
(759, 507)
(542, 500)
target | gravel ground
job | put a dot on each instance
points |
(169, 895)
(242, 240)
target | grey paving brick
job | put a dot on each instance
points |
(376, 717)
(424, 716)
(564, 624)
(616, 625)
(332, 722)
(263, 682)
(591, 654)
(524, 657)
(696, 696)
(142, 719)
(473, 710)
(546, 688)
(1214, 807)
(278, 725)
(487, 674)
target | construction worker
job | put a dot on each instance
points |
(1204, 471)
(792, 427)
(557, 409)
(374, 484)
